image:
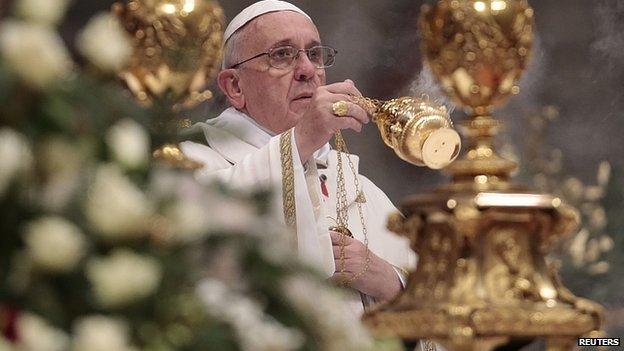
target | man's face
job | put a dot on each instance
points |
(277, 98)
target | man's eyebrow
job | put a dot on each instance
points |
(313, 43)
(282, 43)
(290, 42)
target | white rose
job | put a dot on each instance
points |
(231, 215)
(46, 12)
(100, 333)
(62, 164)
(188, 221)
(123, 277)
(105, 43)
(256, 331)
(166, 183)
(15, 157)
(115, 207)
(217, 214)
(200, 209)
(36, 53)
(129, 143)
(54, 244)
(338, 328)
(36, 334)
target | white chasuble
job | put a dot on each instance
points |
(239, 152)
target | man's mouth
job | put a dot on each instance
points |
(303, 97)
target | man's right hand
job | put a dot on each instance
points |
(318, 123)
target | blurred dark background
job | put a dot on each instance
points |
(577, 67)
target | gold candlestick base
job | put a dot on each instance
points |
(481, 279)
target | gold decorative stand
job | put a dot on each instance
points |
(176, 52)
(482, 281)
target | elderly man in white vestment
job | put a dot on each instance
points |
(274, 78)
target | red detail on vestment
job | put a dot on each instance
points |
(324, 188)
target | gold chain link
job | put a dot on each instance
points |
(429, 345)
(342, 215)
(371, 106)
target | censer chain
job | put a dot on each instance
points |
(342, 216)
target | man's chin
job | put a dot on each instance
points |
(299, 106)
(294, 116)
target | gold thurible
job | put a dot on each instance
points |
(482, 280)
(418, 130)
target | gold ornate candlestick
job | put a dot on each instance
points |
(176, 51)
(482, 280)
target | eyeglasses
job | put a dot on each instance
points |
(283, 57)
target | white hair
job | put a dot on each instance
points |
(232, 50)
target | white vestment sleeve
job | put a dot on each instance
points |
(263, 169)
(388, 245)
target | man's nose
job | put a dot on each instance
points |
(304, 68)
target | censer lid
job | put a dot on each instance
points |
(441, 148)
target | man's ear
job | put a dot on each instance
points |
(228, 81)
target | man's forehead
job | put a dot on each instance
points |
(283, 27)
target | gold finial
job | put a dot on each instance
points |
(177, 49)
(478, 50)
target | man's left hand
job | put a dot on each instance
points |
(379, 281)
